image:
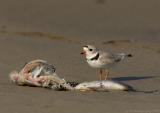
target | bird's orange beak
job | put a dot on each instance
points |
(83, 52)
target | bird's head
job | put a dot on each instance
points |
(89, 51)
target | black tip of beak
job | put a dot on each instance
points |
(82, 53)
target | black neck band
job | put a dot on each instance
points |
(96, 57)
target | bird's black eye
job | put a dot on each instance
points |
(90, 49)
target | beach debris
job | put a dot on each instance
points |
(105, 85)
(39, 73)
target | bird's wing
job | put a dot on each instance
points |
(119, 57)
(106, 57)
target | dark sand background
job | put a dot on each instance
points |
(55, 30)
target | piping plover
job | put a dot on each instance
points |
(102, 60)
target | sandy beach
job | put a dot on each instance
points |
(57, 30)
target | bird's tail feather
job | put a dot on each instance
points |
(122, 56)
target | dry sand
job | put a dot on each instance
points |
(56, 30)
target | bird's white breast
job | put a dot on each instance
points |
(95, 63)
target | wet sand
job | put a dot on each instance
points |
(56, 30)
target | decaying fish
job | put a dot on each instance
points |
(105, 85)
(41, 74)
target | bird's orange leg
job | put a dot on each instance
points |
(106, 74)
(100, 74)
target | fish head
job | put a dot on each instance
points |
(82, 86)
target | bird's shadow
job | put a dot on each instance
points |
(130, 78)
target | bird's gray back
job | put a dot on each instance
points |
(106, 57)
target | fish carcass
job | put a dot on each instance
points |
(105, 85)
(39, 73)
